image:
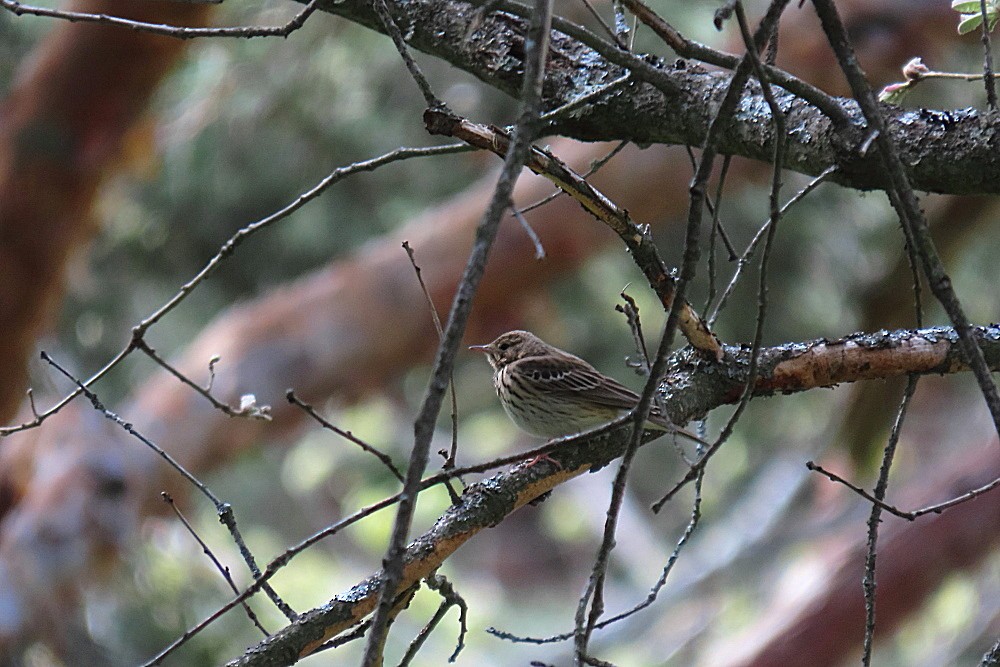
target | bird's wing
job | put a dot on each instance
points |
(572, 376)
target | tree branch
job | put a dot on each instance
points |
(707, 385)
(947, 152)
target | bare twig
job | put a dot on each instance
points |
(595, 165)
(382, 9)
(526, 226)
(272, 568)
(637, 238)
(604, 24)
(631, 312)
(585, 99)
(875, 518)
(718, 231)
(223, 510)
(31, 402)
(347, 435)
(212, 363)
(759, 236)
(225, 251)
(450, 459)
(936, 508)
(450, 598)
(449, 456)
(988, 75)
(651, 597)
(224, 571)
(178, 32)
(253, 412)
(536, 44)
(713, 206)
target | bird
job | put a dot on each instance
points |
(551, 393)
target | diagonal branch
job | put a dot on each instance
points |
(636, 238)
(785, 369)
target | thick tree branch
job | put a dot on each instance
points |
(949, 152)
(693, 387)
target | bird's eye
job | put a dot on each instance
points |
(503, 346)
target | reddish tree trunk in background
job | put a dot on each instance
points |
(61, 132)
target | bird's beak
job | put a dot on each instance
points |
(481, 348)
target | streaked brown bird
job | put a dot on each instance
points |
(550, 393)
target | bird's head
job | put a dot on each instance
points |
(511, 346)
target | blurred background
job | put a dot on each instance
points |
(173, 158)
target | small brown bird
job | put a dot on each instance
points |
(551, 393)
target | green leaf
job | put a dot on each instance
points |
(895, 92)
(969, 22)
(967, 6)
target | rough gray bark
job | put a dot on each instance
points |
(951, 152)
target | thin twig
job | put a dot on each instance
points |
(712, 205)
(357, 633)
(718, 231)
(254, 412)
(751, 62)
(31, 402)
(225, 251)
(936, 508)
(449, 456)
(650, 597)
(224, 571)
(536, 47)
(347, 435)
(272, 568)
(585, 100)
(450, 598)
(875, 518)
(223, 510)
(988, 76)
(391, 29)
(526, 226)
(240, 236)
(631, 312)
(759, 236)
(600, 20)
(913, 262)
(178, 32)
